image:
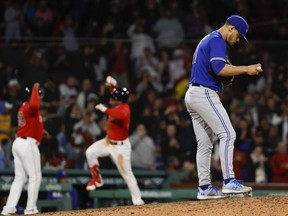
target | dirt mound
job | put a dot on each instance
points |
(262, 205)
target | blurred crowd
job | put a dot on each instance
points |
(70, 47)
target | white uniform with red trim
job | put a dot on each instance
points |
(118, 147)
(27, 156)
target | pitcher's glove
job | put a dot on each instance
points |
(227, 81)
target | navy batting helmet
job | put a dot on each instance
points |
(120, 94)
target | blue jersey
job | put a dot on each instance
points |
(212, 47)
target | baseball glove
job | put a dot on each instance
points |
(227, 81)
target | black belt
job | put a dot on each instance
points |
(23, 137)
(195, 84)
(116, 143)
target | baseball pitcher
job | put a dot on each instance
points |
(116, 143)
(26, 154)
(208, 115)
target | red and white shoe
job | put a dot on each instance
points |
(94, 183)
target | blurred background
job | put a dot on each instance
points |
(71, 46)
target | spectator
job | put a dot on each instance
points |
(170, 144)
(67, 31)
(143, 149)
(195, 22)
(178, 70)
(60, 64)
(36, 69)
(258, 166)
(13, 19)
(43, 20)
(51, 98)
(86, 91)
(139, 41)
(6, 131)
(2, 158)
(84, 134)
(67, 90)
(118, 66)
(71, 117)
(169, 30)
(279, 163)
(179, 173)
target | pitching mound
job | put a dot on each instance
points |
(270, 205)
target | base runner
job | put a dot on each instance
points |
(116, 143)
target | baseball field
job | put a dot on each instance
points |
(262, 205)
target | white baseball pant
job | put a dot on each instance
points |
(121, 156)
(27, 165)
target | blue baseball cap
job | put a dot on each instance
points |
(240, 24)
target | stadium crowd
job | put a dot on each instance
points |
(70, 47)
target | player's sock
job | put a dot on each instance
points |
(226, 181)
(204, 187)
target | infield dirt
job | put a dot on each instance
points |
(262, 205)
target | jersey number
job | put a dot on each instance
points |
(21, 119)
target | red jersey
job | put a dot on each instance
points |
(118, 122)
(29, 118)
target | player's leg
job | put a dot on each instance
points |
(121, 155)
(196, 103)
(19, 180)
(204, 136)
(217, 118)
(30, 157)
(96, 150)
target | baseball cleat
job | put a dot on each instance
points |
(7, 213)
(212, 192)
(235, 187)
(138, 202)
(239, 195)
(94, 183)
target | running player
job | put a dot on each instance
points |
(26, 154)
(116, 143)
(208, 115)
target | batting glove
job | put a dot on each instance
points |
(111, 81)
(100, 107)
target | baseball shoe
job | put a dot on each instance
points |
(30, 211)
(138, 202)
(235, 187)
(7, 213)
(212, 192)
(94, 183)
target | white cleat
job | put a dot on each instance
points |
(236, 189)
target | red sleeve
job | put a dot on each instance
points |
(34, 100)
(118, 112)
